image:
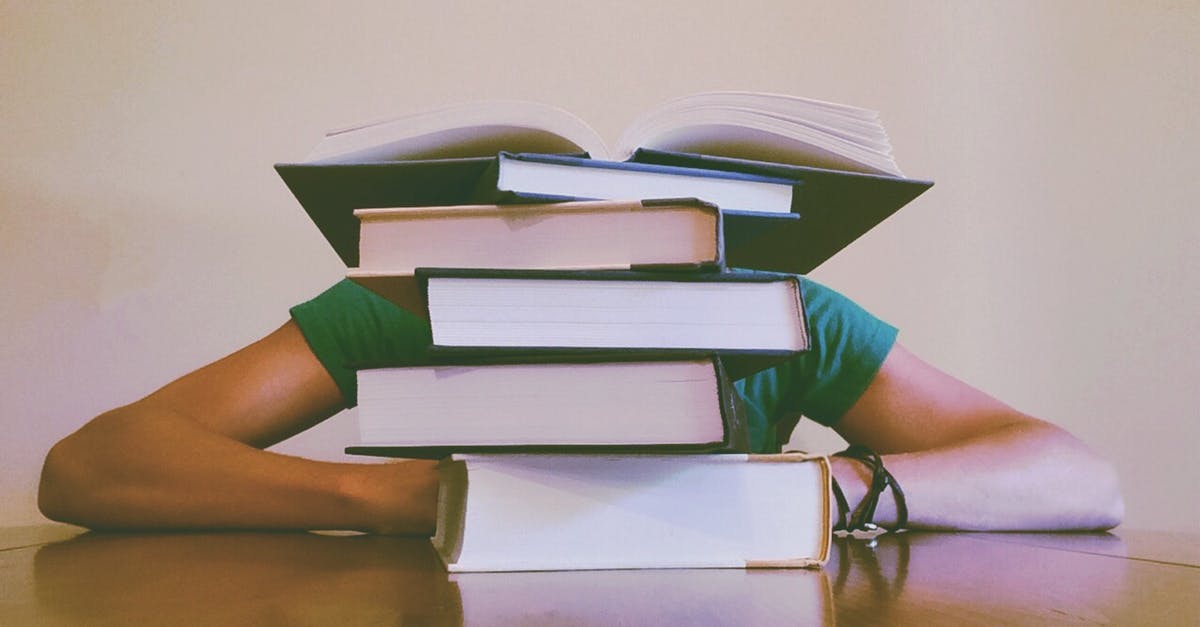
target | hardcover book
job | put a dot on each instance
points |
(548, 176)
(578, 512)
(520, 310)
(584, 405)
(684, 234)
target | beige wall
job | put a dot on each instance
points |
(143, 232)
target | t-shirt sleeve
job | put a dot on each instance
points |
(348, 325)
(848, 347)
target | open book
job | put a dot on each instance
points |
(743, 125)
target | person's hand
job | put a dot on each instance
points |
(398, 497)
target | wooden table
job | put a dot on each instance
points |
(57, 575)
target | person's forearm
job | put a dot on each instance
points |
(1025, 476)
(128, 469)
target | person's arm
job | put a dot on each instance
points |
(967, 461)
(188, 456)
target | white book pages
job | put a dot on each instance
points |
(552, 179)
(569, 512)
(464, 130)
(746, 125)
(668, 402)
(573, 235)
(606, 314)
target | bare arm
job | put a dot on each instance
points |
(188, 456)
(967, 461)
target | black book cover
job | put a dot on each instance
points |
(728, 276)
(330, 192)
(831, 209)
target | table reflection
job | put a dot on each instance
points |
(647, 597)
(243, 579)
(959, 578)
(311, 579)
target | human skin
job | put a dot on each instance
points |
(190, 455)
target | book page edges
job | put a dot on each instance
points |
(802, 314)
(599, 206)
(477, 128)
(822, 554)
(448, 546)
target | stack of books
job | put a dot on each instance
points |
(590, 310)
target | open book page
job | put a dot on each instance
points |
(474, 129)
(766, 127)
(756, 126)
(854, 123)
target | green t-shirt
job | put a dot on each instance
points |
(348, 324)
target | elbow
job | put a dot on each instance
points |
(1091, 491)
(58, 484)
(75, 477)
(1110, 503)
(1083, 487)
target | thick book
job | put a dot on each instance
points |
(683, 234)
(753, 320)
(580, 512)
(591, 405)
(522, 310)
(767, 127)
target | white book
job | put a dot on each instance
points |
(580, 512)
(727, 311)
(429, 410)
(568, 235)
